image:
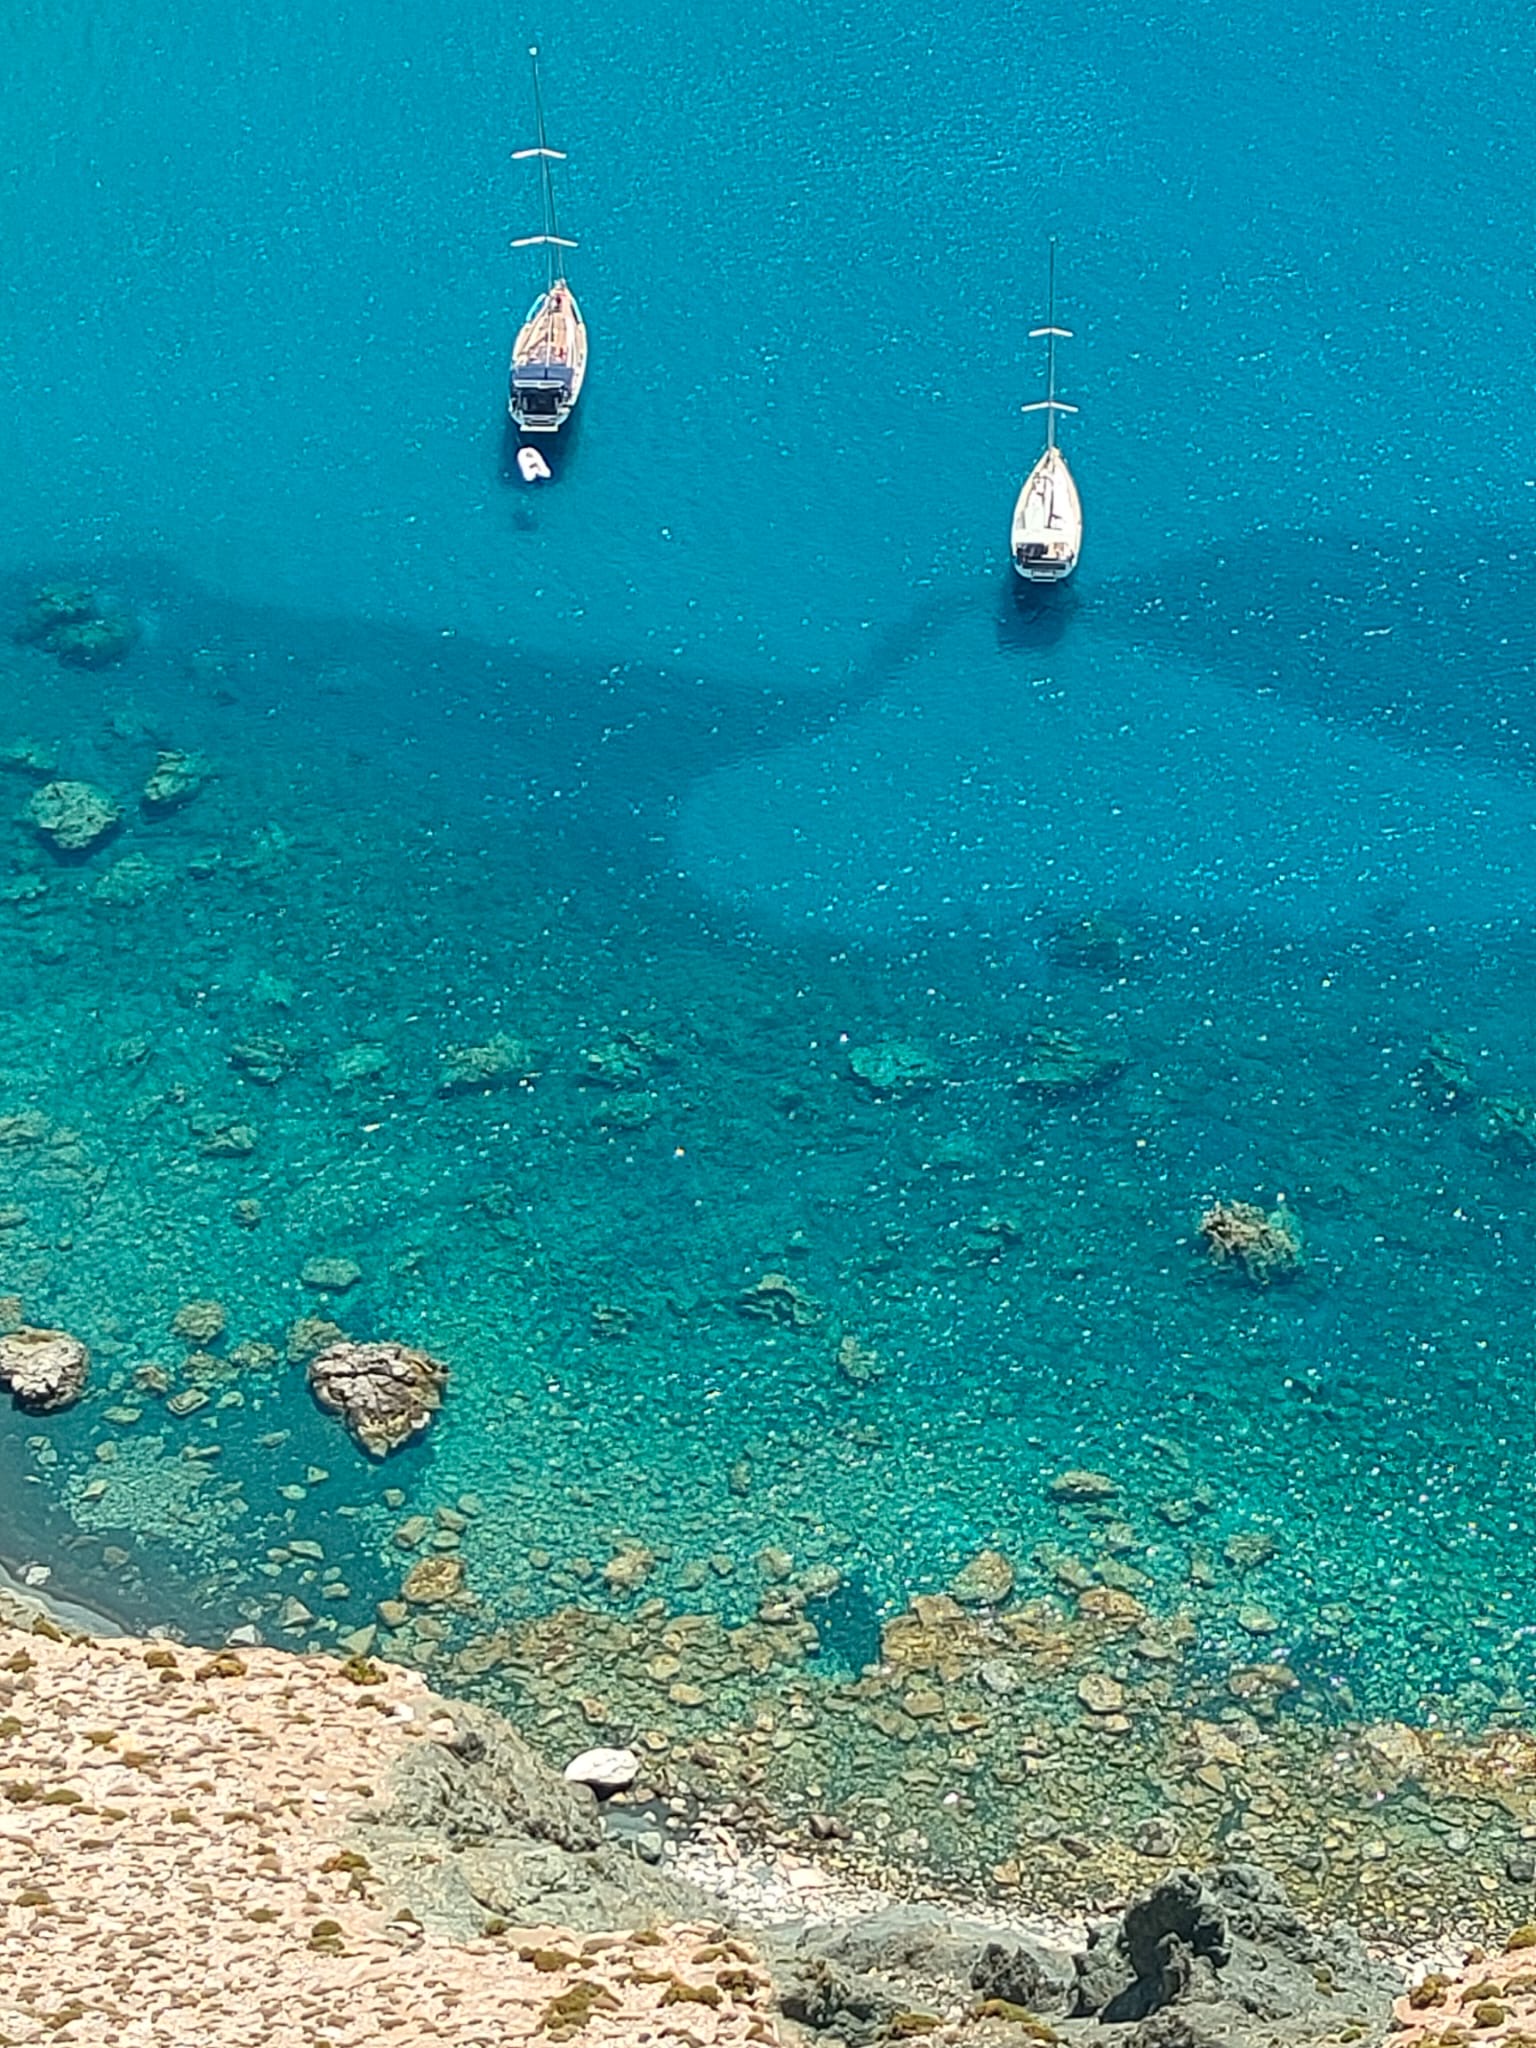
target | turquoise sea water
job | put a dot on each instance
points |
(738, 743)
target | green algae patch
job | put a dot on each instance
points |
(1029, 2024)
(680, 1992)
(325, 1938)
(569, 2010)
(225, 1664)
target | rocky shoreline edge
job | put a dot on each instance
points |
(256, 1846)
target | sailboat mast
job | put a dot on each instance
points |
(1050, 352)
(551, 237)
(1050, 405)
(546, 182)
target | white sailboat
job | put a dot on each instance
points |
(549, 356)
(1047, 535)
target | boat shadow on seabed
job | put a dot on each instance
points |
(1031, 617)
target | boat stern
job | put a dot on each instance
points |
(540, 396)
(1043, 562)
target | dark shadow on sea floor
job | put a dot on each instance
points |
(1428, 644)
(1032, 618)
(613, 740)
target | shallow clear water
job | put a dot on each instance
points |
(738, 739)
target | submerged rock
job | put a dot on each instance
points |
(44, 1369)
(1266, 1247)
(30, 757)
(433, 1580)
(330, 1276)
(312, 1334)
(174, 781)
(776, 1299)
(1081, 1485)
(53, 606)
(1509, 1124)
(272, 991)
(24, 1127)
(224, 1141)
(353, 1063)
(386, 1393)
(893, 1067)
(94, 643)
(1061, 1063)
(1445, 1072)
(72, 816)
(262, 1058)
(501, 1062)
(69, 621)
(24, 887)
(985, 1582)
(129, 882)
(625, 1060)
(858, 1363)
(1096, 943)
(199, 1322)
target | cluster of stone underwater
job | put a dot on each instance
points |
(915, 1708)
(385, 1392)
(78, 626)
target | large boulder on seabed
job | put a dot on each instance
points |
(72, 816)
(44, 1369)
(386, 1393)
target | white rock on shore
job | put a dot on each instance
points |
(605, 1770)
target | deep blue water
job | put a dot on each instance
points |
(745, 708)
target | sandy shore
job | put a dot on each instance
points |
(173, 1870)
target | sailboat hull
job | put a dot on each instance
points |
(1047, 535)
(549, 363)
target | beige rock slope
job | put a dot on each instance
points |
(180, 1862)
